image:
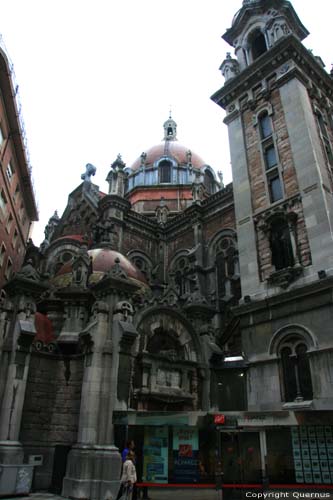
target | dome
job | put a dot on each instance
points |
(170, 149)
(103, 260)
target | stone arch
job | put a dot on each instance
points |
(55, 253)
(136, 256)
(158, 319)
(293, 329)
(223, 233)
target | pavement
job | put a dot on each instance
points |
(189, 494)
(154, 494)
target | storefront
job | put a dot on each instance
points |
(282, 448)
(172, 449)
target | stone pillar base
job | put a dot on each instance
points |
(93, 473)
(11, 452)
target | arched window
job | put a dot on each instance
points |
(295, 368)
(209, 182)
(258, 44)
(281, 245)
(165, 171)
(226, 263)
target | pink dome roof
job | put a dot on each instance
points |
(169, 148)
(103, 260)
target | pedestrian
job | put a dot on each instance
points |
(130, 446)
(128, 477)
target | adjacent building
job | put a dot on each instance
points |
(192, 317)
(18, 207)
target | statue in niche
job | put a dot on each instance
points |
(104, 232)
(81, 268)
(198, 190)
(162, 215)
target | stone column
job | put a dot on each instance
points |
(15, 366)
(94, 463)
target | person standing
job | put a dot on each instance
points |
(128, 478)
(130, 446)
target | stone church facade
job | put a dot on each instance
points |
(192, 317)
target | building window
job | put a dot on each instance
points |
(9, 268)
(165, 171)
(273, 175)
(16, 192)
(281, 245)
(325, 138)
(9, 223)
(3, 202)
(9, 172)
(209, 182)
(274, 187)
(258, 44)
(227, 269)
(296, 372)
(1, 137)
(2, 254)
(15, 236)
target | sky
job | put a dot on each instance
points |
(98, 78)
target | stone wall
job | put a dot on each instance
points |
(51, 411)
(52, 405)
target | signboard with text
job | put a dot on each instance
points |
(155, 455)
(185, 455)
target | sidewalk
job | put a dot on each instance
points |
(154, 494)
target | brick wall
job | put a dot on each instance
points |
(51, 407)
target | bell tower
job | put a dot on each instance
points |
(278, 100)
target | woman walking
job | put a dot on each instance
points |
(128, 478)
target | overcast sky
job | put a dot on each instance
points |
(97, 78)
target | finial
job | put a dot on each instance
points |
(90, 170)
(170, 114)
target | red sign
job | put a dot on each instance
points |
(219, 419)
(185, 450)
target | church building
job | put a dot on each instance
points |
(189, 316)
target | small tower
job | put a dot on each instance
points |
(170, 129)
(117, 177)
(276, 98)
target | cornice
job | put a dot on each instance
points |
(289, 48)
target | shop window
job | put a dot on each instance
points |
(325, 138)
(280, 460)
(165, 171)
(258, 44)
(281, 245)
(296, 372)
